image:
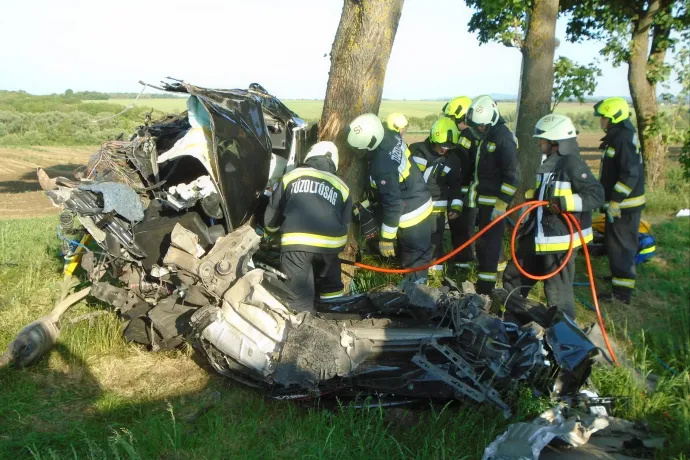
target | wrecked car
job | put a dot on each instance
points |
(174, 214)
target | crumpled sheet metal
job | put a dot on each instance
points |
(527, 440)
(118, 197)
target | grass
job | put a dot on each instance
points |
(97, 397)
(311, 109)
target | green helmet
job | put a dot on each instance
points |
(614, 108)
(457, 107)
(444, 132)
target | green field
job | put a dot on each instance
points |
(311, 109)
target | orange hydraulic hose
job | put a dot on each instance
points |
(570, 220)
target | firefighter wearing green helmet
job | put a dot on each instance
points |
(622, 176)
(462, 219)
(442, 173)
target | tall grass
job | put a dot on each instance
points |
(97, 397)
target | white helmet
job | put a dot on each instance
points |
(482, 111)
(324, 149)
(555, 127)
(365, 132)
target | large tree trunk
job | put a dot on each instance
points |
(536, 85)
(359, 59)
(643, 88)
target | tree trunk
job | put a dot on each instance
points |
(536, 86)
(359, 58)
(643, 89)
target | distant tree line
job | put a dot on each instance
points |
(62, 120)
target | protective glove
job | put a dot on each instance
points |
(453, 215)
(387, 248)
(367, 225)
(613, 211)
(529, 194)
(499, 209)
(557, 204)
(271, 234)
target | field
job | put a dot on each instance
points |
(311, 109)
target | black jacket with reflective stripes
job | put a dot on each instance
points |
(564, 175)
(622, 168)
(467, 154)
(397, 185)
(496, 169)
(442, 174)
(312, 208)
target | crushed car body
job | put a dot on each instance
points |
(174, 210)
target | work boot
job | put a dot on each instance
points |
(612, 296)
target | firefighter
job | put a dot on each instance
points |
(622, 176)
(397, 122)
(399, 189)
(442, 174)
(495, 181)
(567, 183)
(311, 208)
(462, 219)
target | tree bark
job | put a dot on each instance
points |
(536, 86)
(359, 58)
(643, 88)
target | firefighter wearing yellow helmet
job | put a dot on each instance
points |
(461, 219)
(442, 173)
(622, 176)
(397, 122)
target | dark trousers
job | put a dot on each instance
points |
(414, 247)
(311, 273)
(489, 250)
(461, 230)
(558, 288)
(438, 228)
(621, 238)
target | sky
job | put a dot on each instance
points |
(49, 46)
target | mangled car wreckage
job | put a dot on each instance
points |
(176, 252)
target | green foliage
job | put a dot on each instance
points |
(500, 21)
(61, 120)
(685, 156)
(573, 81)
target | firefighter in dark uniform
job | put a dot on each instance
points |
(567, 183)
(311, 208)
(442, 173)
(462, 219)
(622, 176)
(495, 181)
(399, 189)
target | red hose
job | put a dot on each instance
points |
(569, 220)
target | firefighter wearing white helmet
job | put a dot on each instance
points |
(495, 180)
(565, 181)
(399, 191)
(311, 208)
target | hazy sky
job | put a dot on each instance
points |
(49, 46)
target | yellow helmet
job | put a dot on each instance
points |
(614, 108)
(457, 107)
(396, 121)
(444, 132)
